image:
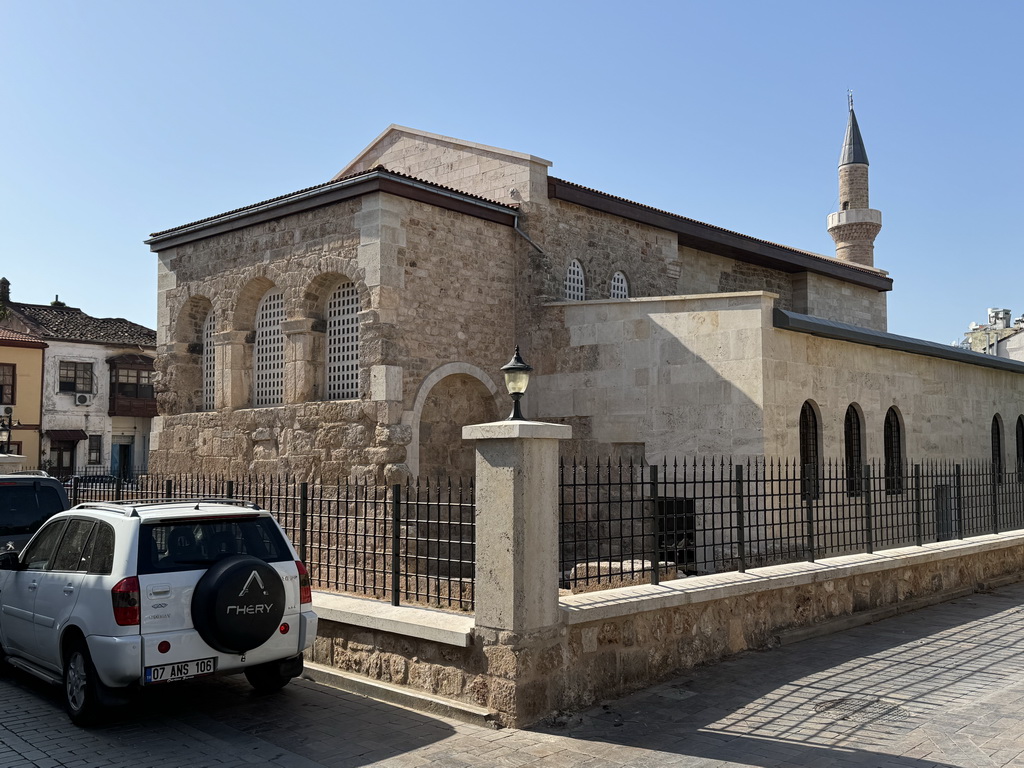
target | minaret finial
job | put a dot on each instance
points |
(849, 96)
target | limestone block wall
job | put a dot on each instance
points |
(680, 375)
(843, 302)
(946, 407)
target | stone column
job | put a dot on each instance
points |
(517, 523)
(303, 368)
(233, 358)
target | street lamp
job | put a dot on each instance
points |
(517, 379)
(7, 423)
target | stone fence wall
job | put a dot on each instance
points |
(528, 652)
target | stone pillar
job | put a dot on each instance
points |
(517, 523)
(233, 350)
(303, 369)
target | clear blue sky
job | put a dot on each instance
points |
(125, 118)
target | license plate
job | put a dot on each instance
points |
(181, 670)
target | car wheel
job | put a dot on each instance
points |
(238, 603)
(81, 686)
(267, 678)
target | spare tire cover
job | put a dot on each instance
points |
(238, 604)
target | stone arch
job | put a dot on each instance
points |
(242, 316)
(451, 397)
(187, 327)
(179, 384)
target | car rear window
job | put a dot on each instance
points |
(187, 545)
(24, 507)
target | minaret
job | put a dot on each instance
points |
(855, 225)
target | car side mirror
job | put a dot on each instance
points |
(9, 561)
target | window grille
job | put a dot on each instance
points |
(1020, 449)
(209, 371)
(343, 343)
(575, 282)
(620, 286)
(268, 355)
(95, 449)
(810, 455)
(893, 439)
(7, 379)
(854, 451)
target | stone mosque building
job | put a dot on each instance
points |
(354, 327)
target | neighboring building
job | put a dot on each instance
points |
(21, 391)
(357, 325)
(97, 387)
(999, 336)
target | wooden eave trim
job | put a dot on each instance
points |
(40, 345)
(704, 237)
(375, 181)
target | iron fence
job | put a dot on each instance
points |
(626, 523)
(410, 542)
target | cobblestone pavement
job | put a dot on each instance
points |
(939, 687)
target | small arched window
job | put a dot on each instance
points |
(575, 282)
(853, 438)
(810, 452)
(997, 451)
(893, 440)
(208, 364)
(342, 347)
(1020, 449)
(620, 286)
(268, 351)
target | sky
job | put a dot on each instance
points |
(126, 118)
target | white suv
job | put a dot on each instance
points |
(110, 596)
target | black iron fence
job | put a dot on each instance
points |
(628, 523)
(411, 542)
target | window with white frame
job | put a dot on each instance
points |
(575, 282)
(209, 371)
(620, 286)
(342, 348)
(268, 352)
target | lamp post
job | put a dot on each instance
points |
(517, 379)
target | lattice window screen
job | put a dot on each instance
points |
(620, 286)
(268, 356)
(343, 343)
(209, 371)
(575, 282)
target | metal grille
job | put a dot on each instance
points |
(620, 286)
(892, 436)
(706, 515)
(854, 451)
(997, 450)
(209, 369)
(343, 343)
(810, 458)
(575, 282)
(268, 355)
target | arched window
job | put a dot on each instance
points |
(620, 286)
(268, 353)
(854, 441)
(893, 440)
(1020, 449)
(810, 453)
(208, 364)
(342, 348)
(575, 282)
(997, 451)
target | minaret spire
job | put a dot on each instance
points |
(855, 225)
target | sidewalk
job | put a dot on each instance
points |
(939, 687)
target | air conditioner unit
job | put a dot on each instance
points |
(82, 399)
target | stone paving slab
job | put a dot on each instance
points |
(942, 687)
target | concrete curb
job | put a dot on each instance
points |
(399, 696)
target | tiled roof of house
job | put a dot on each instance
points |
(22, 338)
(72, 324)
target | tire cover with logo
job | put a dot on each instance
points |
(238, 604)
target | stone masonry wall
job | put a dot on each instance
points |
(584, 661)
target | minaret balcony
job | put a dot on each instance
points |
(855, 216)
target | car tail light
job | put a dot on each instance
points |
(126, 602)
(305, 592)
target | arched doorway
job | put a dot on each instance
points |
(452, 403)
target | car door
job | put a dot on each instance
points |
(59, 587)
(17, 602)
